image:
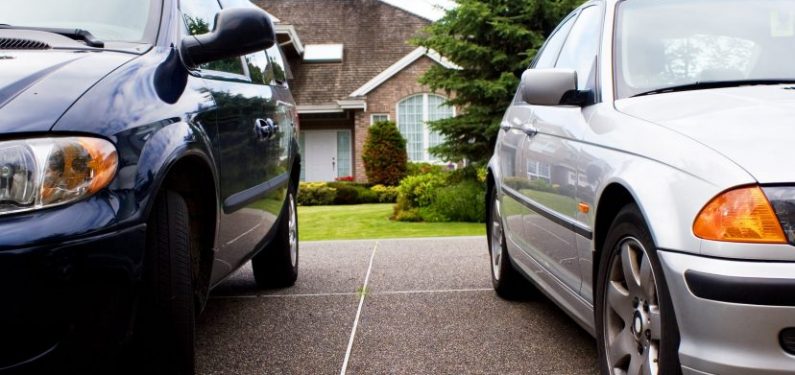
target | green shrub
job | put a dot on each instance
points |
(415, 169)
(346, 194)
(483, 174)
(457, 176)
(316, 194)
(384, 154)
(368, 196)
(385, 194)
(410, 215)
(418, 191)
(464, 201)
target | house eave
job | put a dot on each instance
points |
(292, 33)
(401, 64)
(319, 109)
(339, 107)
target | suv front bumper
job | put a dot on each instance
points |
(67, 303)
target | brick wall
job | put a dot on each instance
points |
(383, 100)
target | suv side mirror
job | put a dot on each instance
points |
(238, 32)
(550, 87)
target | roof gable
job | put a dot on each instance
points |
(399, 66)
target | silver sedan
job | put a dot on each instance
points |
(643, 180)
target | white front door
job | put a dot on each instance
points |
(320, 153)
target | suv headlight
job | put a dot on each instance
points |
(44, 172)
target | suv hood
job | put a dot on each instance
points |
(37, 87)
(754, 126)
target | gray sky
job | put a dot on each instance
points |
(426, 8)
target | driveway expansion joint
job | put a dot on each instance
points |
(363, 295)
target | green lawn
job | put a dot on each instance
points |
(371, 221)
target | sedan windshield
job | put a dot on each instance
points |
(108, 20)
(692, 44)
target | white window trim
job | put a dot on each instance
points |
(372, 117)
(425, 119)
(350, 151)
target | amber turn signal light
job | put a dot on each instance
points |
(740, 215)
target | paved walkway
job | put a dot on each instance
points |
(408, 306)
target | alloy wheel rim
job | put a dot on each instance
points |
(293, 232)
(496, 240)
(632, 322)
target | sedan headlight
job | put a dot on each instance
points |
(783, 201)
(43, 172)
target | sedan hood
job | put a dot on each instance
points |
(37, 87)
(753, 126)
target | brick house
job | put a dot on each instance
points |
(356, 68)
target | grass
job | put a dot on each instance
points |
(368, 221)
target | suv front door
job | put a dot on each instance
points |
(245, 112)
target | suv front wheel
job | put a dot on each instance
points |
(276, 266)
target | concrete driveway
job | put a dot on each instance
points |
(407, 306)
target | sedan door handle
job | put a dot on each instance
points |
(530, 130)
(506, 126)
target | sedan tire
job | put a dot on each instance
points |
(508, 283)
(635, 322)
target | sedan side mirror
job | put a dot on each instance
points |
(238, 32)
(550, 87)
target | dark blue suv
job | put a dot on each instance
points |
(147, 150)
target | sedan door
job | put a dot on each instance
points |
(550, 155)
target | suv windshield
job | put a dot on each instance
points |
(691, 44)
(108, 20)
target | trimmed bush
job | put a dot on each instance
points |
(410, 215)
(442, 197)
(339, 193)
(384, 154)
(461, 202)
(386, 194)
(346, 194)
(418, 191)
(315, 194)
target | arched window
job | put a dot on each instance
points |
(413, 115)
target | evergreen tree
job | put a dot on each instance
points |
(493, 41)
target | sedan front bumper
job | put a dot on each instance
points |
(731, 313)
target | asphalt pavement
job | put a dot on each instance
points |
(405, 306)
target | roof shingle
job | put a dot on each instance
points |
(375, 35)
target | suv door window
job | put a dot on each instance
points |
(278, 67)
(580, 50)
(259, 68)
(199, 18)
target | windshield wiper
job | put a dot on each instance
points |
(77, 34)
(716, 85)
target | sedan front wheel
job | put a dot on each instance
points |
(636, 327)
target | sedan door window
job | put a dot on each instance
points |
(551, 50)
(580, 50)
